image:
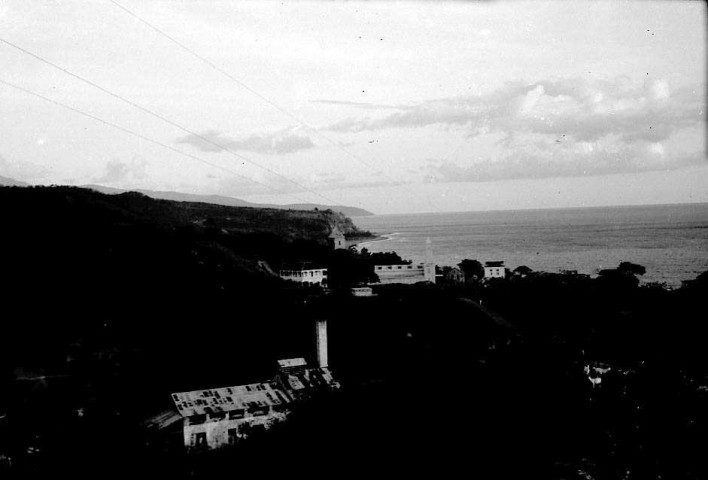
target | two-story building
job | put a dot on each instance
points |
(305, 273)
(216, 417)
(494, 269)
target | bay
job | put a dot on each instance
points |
(671, 241)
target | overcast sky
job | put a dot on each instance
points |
(391, 106)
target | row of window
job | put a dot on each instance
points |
(236, 414)
(399, 267)
(199, 439)
(307, 273)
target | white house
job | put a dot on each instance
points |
(494, 270)
(305, 273)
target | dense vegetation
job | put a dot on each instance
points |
(112, 302)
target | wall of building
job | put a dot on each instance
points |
(362, 292)
(407, 274)
(217, 433)
(494, 272)
(310, 276)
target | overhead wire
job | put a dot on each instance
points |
(265, 99)
(137, 135)
(164, 119)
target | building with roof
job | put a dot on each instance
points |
(407, 274)
(453, 276)
(217, 417)
(362, 291)
(336, 239)
(305, 272)
(494, 269)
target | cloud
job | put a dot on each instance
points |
(559, 127)
(276, 143)
(541, 157)
(118, 171)
(585, 109)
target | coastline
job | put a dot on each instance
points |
(361, 242)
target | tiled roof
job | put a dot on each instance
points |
(216, 400)
(293, 380)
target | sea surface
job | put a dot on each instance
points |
(671, 241)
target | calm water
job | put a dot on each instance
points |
(671, 241)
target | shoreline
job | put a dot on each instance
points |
(359, 242)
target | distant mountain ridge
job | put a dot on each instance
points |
(10, 182)
(231, 201)
(213, 199)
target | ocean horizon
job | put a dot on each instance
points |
(670, 240)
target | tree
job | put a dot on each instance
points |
(522, 270)
(471, 268)
(631, 268)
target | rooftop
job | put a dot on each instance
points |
(496, 263)
(293, 379)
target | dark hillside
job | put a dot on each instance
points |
(157, 288)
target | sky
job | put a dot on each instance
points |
(396, 107)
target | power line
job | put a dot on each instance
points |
(257, 94)
(136, 134)
(162, 118)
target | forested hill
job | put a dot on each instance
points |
(35, 205)
(166, 272)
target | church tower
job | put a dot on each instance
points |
(336, 239)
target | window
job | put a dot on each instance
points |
(261, 411)
(236, 414)
(200, 440)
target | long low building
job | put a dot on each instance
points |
(305, 273)
(407, 274)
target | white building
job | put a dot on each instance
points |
(407, 274)
(494, 270)
(305, 273)
(217, 417)
(362, 292)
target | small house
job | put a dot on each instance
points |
(494, 269)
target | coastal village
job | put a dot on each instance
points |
(247, 333)
(223, 416)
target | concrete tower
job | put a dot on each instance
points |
(321, 337)
(429, 266)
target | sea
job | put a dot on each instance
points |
(671, 241)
